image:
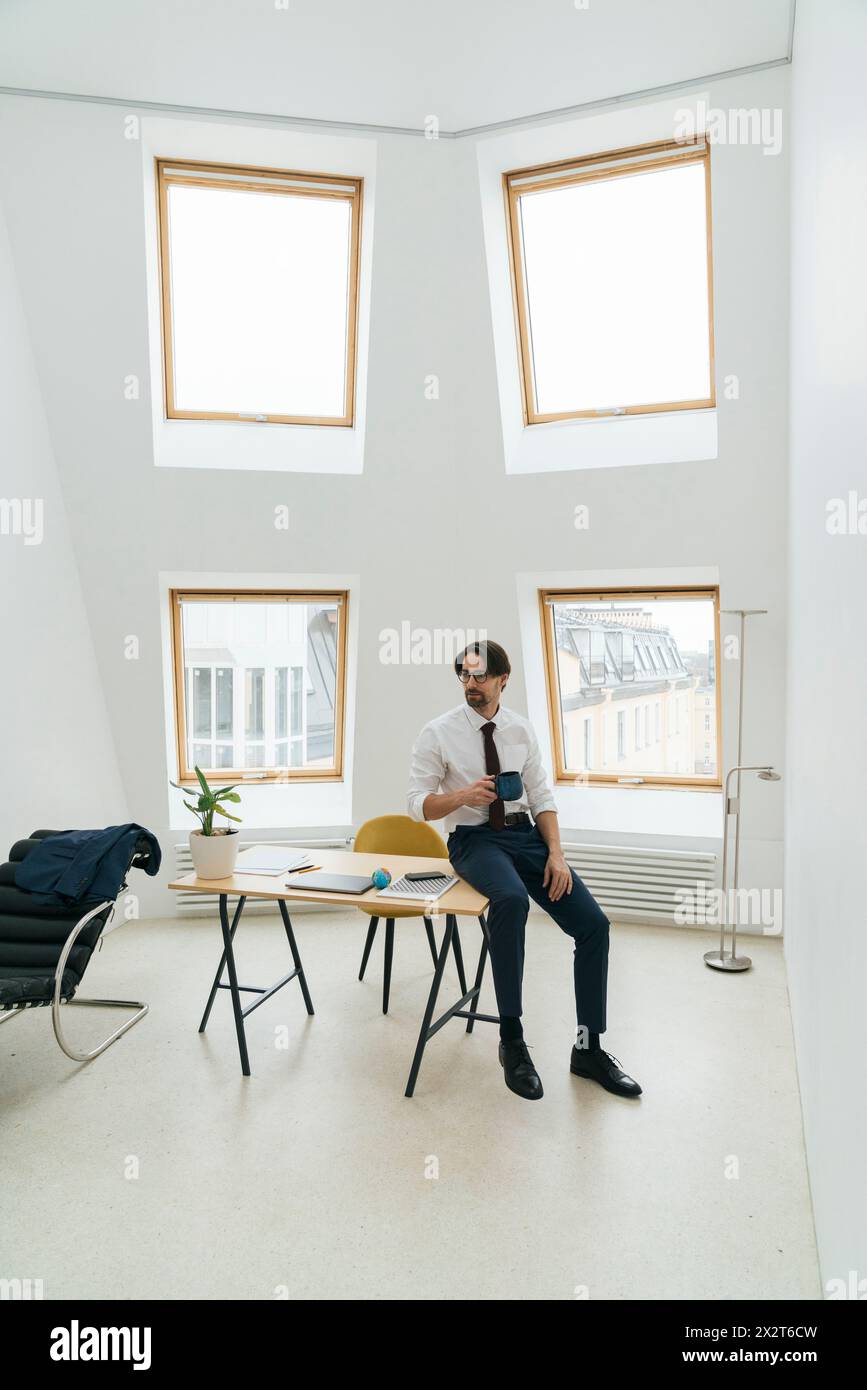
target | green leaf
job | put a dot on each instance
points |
(189, 791)
(201, 776)
(226, 796)
(220, 812)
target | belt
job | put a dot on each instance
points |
(518, 820)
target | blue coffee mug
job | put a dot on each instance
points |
(509, 786)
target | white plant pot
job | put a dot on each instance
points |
(214, 855)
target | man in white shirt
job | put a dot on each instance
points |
(495, 846)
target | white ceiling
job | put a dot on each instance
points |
(381, 62)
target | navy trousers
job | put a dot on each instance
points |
(507, 866)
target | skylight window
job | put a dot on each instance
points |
(612, 283)
(259, 293)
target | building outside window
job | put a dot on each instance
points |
(671, 637)
(260, 683)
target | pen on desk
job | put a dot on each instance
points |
(309, 870)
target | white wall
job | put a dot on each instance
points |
(434, 528)
(59, 767)
(826, 835)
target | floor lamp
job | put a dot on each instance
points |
(720, 960)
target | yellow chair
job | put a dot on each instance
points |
(400, 835)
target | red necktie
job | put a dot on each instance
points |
(497, 809)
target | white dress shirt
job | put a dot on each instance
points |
(450, 753)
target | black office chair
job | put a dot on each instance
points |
(44, 951)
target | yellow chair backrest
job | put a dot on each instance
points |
(400, 835)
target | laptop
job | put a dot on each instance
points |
(331, 883)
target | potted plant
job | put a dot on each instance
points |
(214, 851)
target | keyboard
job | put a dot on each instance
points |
(420, 890)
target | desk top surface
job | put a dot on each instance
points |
(461, 899)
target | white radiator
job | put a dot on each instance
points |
(206, 904)
(641, 885)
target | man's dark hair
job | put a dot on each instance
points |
(494, 656)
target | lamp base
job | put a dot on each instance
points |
(717, 961)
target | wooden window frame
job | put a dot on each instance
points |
(202, 174)
(564, 776)
(635, 159)
(255, 776)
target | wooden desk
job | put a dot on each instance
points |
(460, 901)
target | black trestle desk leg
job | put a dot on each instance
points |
(219, 975)
(480, 972)
(389, 956)
(431, 939)
(431, 1003)
(371, 933)
(293, 947)
(233, 984)
(459, 958)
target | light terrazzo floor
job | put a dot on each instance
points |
(313, 1178)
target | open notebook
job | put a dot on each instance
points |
(271, 859)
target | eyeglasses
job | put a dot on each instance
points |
(477, 676)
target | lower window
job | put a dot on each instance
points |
(648, 657)
(259, 683)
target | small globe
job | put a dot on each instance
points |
(381, 878)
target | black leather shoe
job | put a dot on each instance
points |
(602, 1067)
(521, 1076)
